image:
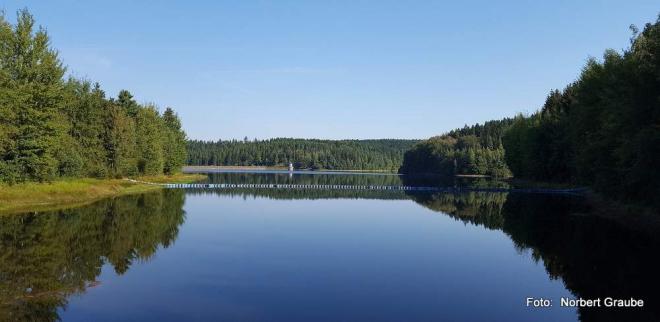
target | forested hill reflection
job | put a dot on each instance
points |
(301, 194)
(594, 257)
(316, 178)
(312, 178)
(321, 178)
(478, 208)
(45, 257)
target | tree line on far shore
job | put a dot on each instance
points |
(53, 127)
(380, 154)
(603, 130)
(472, 150)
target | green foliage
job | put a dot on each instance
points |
(32, 88)
(536, 146)
(84, 109)
(69, 160)
(125, 101)
(603, 130)
(149, 130)
(119, 141)
(475, 150)
(54, 128)
(174, 145)
(303, 153)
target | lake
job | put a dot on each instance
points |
(314, 254)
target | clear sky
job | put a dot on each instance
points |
(334, 69)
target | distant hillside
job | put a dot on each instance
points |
(474, 150)
(380, 154)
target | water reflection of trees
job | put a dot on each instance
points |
(353, 179)
(594, 257)
(301, 194)
(478, 208)
(45, 257)
(333, 179)
(312, 179)
(452, 181)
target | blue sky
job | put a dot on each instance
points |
(334, 69)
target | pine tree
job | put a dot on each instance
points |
(8, 117)
(51, 128)
(174, 146)
(119, 141)
(149, 139)
(32, 88)
(126, 101)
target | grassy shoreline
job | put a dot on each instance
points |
(77, 192)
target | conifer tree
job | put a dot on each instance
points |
(174, 146)
(32, 88)
(54, 128)
(149, 139)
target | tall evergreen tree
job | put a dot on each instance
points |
(54, 128)
(149, 140)
(119, 142)
(8, 116)
(126, 101)
(174, 146)
(32, 87)
(84, 109)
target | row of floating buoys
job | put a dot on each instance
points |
(359, 187)
(296, 186)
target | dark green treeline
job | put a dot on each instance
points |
(384, 154)
(473, 149)
(55, 127)
(602, 130)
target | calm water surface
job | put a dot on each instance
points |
(321, 255)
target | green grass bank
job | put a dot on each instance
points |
(76, 192)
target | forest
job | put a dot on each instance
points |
(472, 150)
(383, 154)
(603, 130)
(53, 126)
